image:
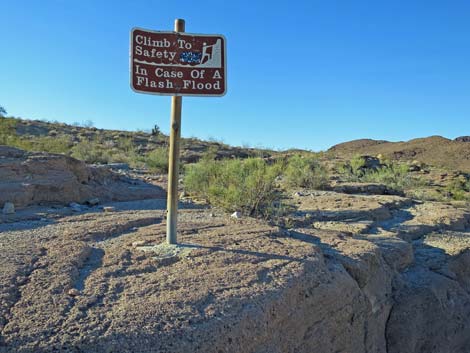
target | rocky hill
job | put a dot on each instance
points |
(35, 134)
(435, 150)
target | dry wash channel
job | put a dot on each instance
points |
(364, 274)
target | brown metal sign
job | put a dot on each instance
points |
(177, 64)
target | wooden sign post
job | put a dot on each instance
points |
(174, 160)
(177, 64)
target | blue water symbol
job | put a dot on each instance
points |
(189, 57)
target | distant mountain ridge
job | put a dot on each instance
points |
(433, 150)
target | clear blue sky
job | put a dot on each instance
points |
(304, 74)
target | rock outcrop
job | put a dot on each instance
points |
(463, 139)
(400, 284)
(42, 178)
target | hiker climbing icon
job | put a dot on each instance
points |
(211, 55)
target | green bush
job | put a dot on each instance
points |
(246, 185)
(459, 189)
(98, 151)
(305, 172)
(59, 144)
(357, 163)
(91, 152)
(126, 145)
(395, 176)
(7, 131)
(157, 160)
(353, 170)
(9, 137)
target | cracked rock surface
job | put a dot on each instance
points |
(354, 274)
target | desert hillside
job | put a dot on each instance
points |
(92, 145)
(434, 150)
(278, 252)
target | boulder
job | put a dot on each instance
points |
(371, 162)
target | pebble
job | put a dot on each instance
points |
(73, 292)
(236, 214)
(139, 243)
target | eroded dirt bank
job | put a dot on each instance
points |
(35, 178)
(364, 274)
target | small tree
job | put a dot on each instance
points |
(3, 112)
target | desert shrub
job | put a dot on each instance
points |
(91, 152)
(357, 163)
(157, 160)
(126, 144)
(126, 152)
(246, 185)
(210, 153)
(459, 189)
(58, 144)
(353, 170)
(7, 131)
(9, 137)
(305, 172)
(395, 176)
(99, 150)
(426, 194)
